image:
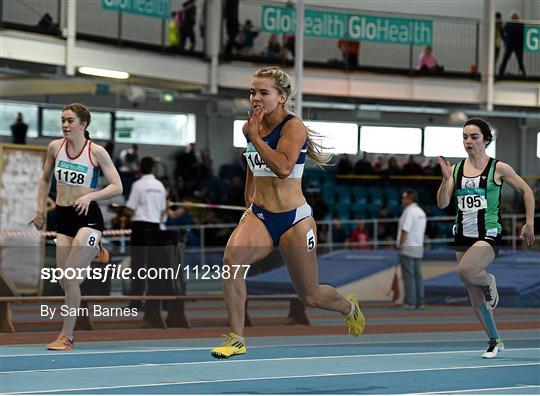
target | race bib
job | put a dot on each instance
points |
(71, 173)
(255, 162)
(471, 203)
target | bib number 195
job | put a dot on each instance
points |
(472, 202)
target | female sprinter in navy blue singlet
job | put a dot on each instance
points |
(75, 162)
(277, 215)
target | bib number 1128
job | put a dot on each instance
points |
(70, 177)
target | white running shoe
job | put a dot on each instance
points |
(494, 347)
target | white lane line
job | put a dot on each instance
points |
(477, 390)
(278, 359)
(183, 349)
(268, 378)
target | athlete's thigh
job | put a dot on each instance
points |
(298, 248)
(84, 247)
(478, 256)
(249, 242)
(63, 248)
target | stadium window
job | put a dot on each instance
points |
(155, 128)
(448, 142)
(390, 140)
(239, 140)
(99, 129)
(337, 137)
(8, 112)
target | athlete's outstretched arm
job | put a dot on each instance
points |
(111, 174)
(45, 183)
(444, 194)
(281, 160)
(509, 175)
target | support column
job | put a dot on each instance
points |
(213, 40)
(70, 32)
(488, 55)
(299, 55)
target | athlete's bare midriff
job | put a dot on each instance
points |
(278, 195)
(66, 195)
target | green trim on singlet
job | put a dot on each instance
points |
(493, 211)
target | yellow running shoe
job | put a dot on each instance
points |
(355, 320)
(232, 346)
(62, 343)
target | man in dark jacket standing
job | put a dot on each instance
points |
(18, 130)
(513, 42)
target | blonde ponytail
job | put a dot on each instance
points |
(284, 86)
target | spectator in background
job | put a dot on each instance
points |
(231, 23)
(206, 166)
(173, 31)
(411, 167)
(19, 130)
(344, 165)
(129, 168)
(410, 247)
(513, 33)
(359, 237)
(147, 204)
(378, 164)
(186, 170)
(338, 234)
(350, 50)
(273, 48)
(427, 61)
(246, 38)
(363, 166)
(428, 168)
(392, 169)
(187, 19)
(499, 35)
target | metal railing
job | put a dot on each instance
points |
(373, 225)
(456, 41)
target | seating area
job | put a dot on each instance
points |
(368, 197)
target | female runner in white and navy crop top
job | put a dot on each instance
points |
(75, 162)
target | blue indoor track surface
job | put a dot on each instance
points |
(371, 364)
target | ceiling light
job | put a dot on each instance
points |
(94, 71)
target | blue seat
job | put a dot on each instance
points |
(360, 194)
(394, 209)
(359, 210)
(373, 209)
(392, 194)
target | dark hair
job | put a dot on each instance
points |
(498, 15)
(83, 113)
(147, 165)
(484, 128)
(412, 194)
